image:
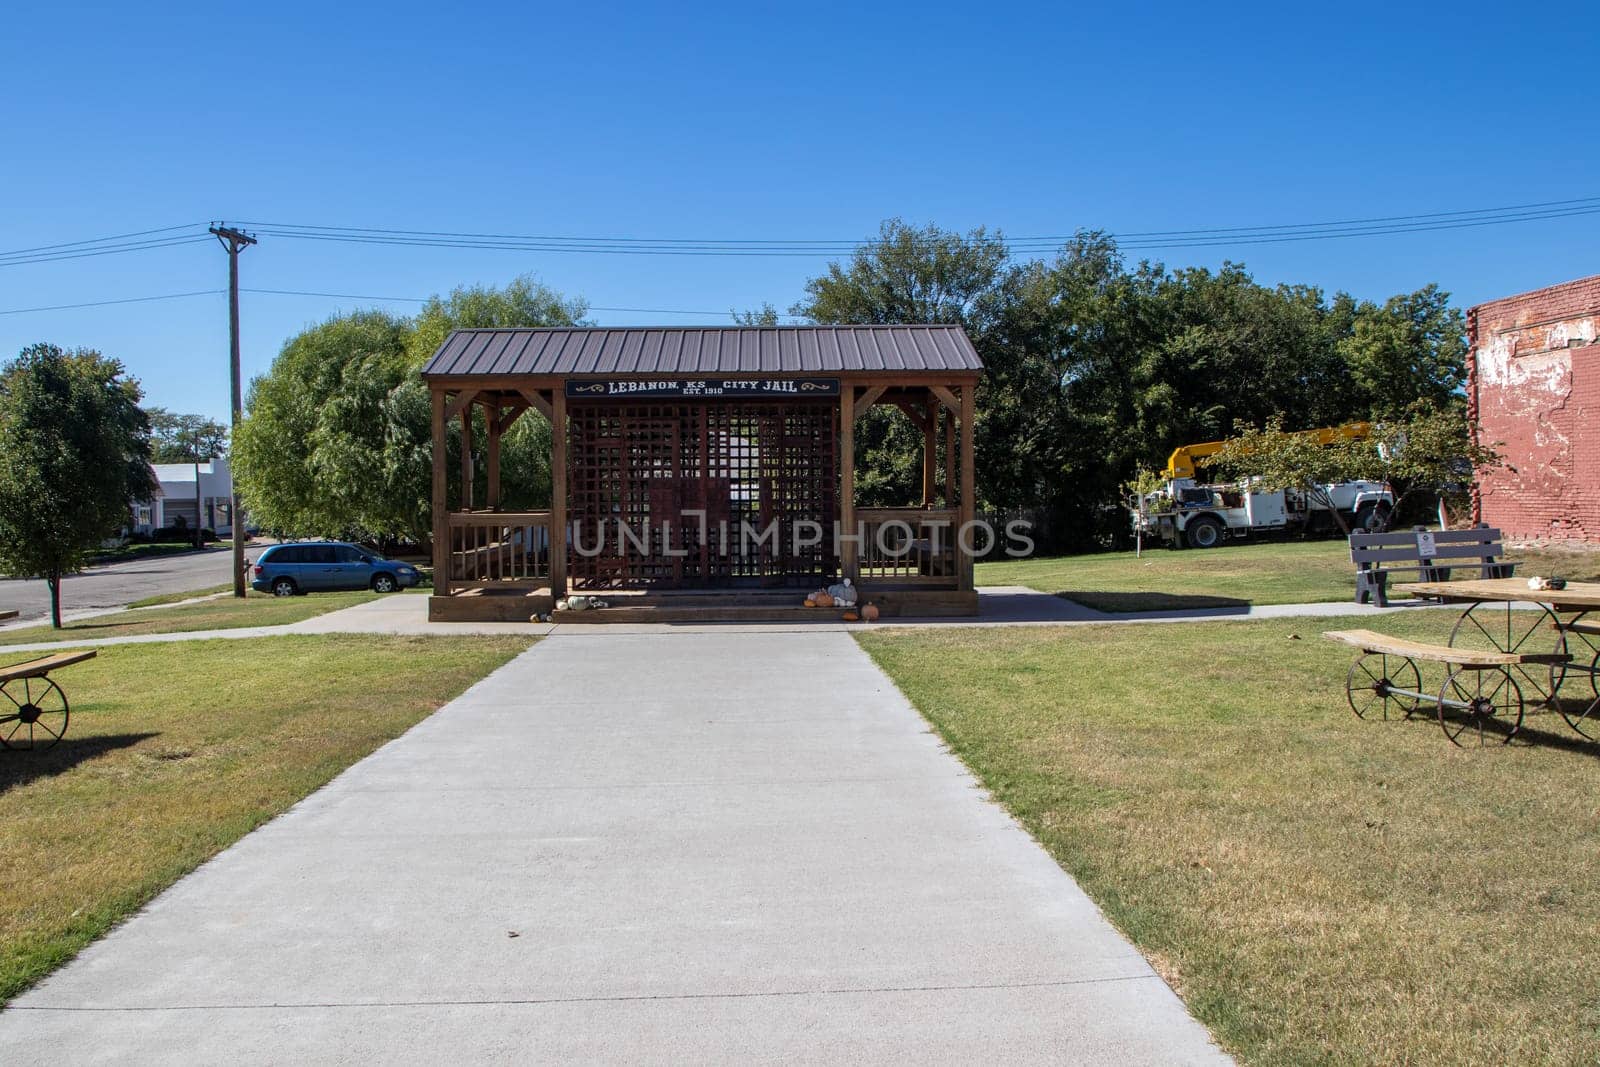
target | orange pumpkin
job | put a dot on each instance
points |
(870, 613)
(824, 600)
(851, 616)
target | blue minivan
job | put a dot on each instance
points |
(315, 566)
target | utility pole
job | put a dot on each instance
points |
(234, 241)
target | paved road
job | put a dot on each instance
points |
(723, 847)
(117, 584)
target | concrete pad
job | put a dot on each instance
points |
(719, 847)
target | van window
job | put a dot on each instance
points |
(319, 553)
(349, 555)
(290, 554)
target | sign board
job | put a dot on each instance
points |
(1426, 549)
(692, 388)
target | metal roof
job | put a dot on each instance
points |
(705, 350)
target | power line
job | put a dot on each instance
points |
(335, 296)
(107, 303)
(99, 240)
(19, 259)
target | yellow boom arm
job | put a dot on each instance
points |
(1185, 458)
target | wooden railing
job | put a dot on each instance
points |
(499, 550)
(913, 546)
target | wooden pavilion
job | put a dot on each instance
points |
(670, 447)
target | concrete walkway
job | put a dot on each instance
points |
(722, 847)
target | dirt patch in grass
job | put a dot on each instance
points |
(175, 751)
(1320, 888)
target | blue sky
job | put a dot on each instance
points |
(754, 121)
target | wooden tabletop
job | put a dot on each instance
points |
(1577, 596)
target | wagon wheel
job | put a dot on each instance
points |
(1495, 626)
(33, 713)
(1585, 649)
(1489, 696)
(1372, 682)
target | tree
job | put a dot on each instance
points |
(1275, 459)
(74, 453)
(337, 440)
(185, 438)
(1433, 451)
(1412, 348)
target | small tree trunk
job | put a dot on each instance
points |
(53, 580)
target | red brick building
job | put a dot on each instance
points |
(1533, 383)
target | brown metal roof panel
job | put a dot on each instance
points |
(705, 350)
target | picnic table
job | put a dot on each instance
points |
(1504, 615)
(33, 708)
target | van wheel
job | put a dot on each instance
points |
(384, 583)
(1204, 532)
(284, 587)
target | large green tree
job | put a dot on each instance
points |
(178, 438)
(74, 454)
(337, 439)
(1097, 368)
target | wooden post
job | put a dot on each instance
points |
(441, 512)
(949, 458)
(930, 453)
(493, 461)
(969, 467)
(558, 491)
(848, 554)
(466, 456)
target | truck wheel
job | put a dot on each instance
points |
(1372, 518)
(1204, 532)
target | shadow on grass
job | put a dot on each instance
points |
(1541, 728)
(18, 767)
(1122, 603)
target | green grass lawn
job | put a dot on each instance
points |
(1319, 888)
(143, 550)
(1283, 572)
(225, 613)
(175, 751)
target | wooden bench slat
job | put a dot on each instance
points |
(1452, 552)
(1474, 535)
(1580, 627)
(1371, 641)
(37, 668)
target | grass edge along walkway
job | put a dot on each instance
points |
(174, 752)
(1318, 888)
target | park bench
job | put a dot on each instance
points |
(33, 708)
(1430, 554)
(1478, 689)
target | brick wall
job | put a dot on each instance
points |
(1533, 384)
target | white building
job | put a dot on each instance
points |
(176, 497)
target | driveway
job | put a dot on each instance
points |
(117, 584)
(717, 847)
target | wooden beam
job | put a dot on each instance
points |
(913, 414)
(930, 452)
(946, 397)
(969, 466)
(512, 414)
(558, 493)
(463, 399)
(869, 396)
(466, 457)
(538, 402)
(949, 458)
(848, 553)
(496, 427)
(441, 514)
